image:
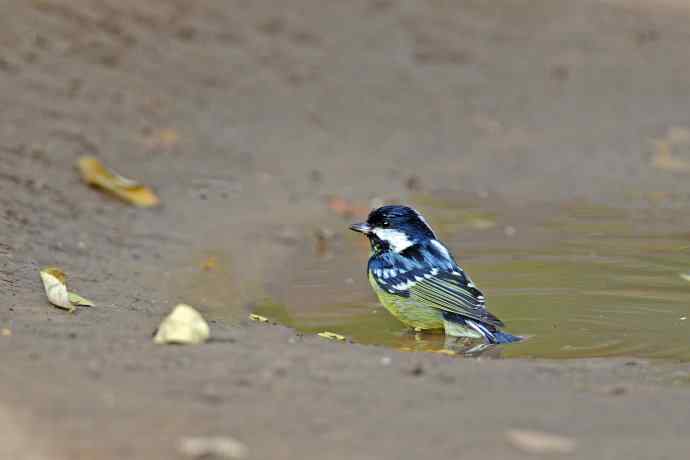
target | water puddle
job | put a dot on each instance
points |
(579, 280)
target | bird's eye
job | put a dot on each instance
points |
(385, 224)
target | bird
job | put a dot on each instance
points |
(417, 279)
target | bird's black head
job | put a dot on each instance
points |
(395, 228)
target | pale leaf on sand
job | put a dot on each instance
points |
(55, 285)
(212, 447)
(94, 173)
(258, 318)
(539, 442)
(331, 336)
(184, 325)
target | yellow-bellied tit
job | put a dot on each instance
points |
(417, 279)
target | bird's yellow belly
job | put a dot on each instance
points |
(409, 312)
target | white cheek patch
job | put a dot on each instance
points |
(397, 240)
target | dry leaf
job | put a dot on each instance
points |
(663, 159)
(258, 318)
(331, 336)
(5, 332)
(55, 285)
(94, 173)
(184, 325)
(538, 442)
(213, 447)
(685, 276)
(209, 263)
(347, 208)
(56, 290)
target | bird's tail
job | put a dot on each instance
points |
(492, 334)
(503, 337)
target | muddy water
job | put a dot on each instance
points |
(578, 280)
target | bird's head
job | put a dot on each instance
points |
(394, 228)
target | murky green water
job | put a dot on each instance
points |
(578, 280)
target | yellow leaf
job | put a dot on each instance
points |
(210, 263)
(259, 318)
(331, 336)
(685, 276)
(184, 325)
(55, 285)
(94, 173)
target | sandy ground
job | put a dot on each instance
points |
(245, 116)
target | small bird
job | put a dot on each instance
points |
(417, 279)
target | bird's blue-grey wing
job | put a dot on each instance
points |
(450, 292)
(431, 280)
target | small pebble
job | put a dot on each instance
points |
(316, 176)
(617, 390)
(413, 183)
(417, 370)
(386, 361)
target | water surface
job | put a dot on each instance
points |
(578, 280)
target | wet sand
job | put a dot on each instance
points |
(246, 117)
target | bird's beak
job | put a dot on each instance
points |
(362, 227)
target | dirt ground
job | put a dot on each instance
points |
(245, 116)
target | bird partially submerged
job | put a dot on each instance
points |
(417, 279)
